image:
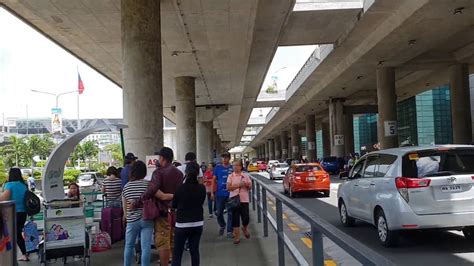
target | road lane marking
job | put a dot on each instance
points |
(274, 208)
(307, 242)
(285, 217)
(329, 263)
(293, 227)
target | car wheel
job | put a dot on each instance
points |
(468, 232)
(326, 193)
(388, 238)
(346, 220)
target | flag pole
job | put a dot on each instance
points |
(78, 117)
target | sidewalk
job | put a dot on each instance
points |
(215, 251)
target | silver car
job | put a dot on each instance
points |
(278, 170)
(411, 188)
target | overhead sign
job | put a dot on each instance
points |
(151, 162)
(390, 128)
(56, 121)
(311, 145)
(338, 140)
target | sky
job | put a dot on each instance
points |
(29, 61)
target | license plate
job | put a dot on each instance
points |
(311, 178)
(454, 188)
(282, 173)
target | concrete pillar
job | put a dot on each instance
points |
(349, 133)
(142, 76)
(310, 137)
(204, 141)
(267, 151)
(271, 149)
(387, 106)
(295, 142)
(326, 139)
(284, 145)
(460, 104)
(336, 127)
(277, 141)
(185, 116)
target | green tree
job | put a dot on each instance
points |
(116, 151)
(86, 151)
(15, 153)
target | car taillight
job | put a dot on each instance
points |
(405, 183)
(297, 177)
(472, 178)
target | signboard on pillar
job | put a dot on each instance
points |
(338, 140)
(311, 145)
(284, 151)
(295, 148)
(151, 162)
(390, 128)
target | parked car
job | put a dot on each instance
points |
(306, 177)
(262, 166)
(278, 170)
(253, 167)
(331, 164)
(271, 163)
(90, 182)
(411, 188)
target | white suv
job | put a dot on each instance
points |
(411, 188)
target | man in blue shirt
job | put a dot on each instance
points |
(129, 160)
(221, 172)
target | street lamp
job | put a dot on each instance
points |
(54, 94)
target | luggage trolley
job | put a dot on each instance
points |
(65, 232)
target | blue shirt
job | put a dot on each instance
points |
(221, 173)
(17, 194)
(125, 174)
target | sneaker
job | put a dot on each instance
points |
(230, 235)
(221, 231)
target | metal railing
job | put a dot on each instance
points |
(319, 227)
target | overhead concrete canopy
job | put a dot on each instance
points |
(420, 39)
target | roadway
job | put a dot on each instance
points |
(416, 248)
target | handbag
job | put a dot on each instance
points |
(150, 209)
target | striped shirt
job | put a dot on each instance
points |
(132, 191)
(113, 188)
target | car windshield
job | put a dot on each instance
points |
(307, 168)
(329, 159)
(438, 162)
(281, 165)
(86, 177)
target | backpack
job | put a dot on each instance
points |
(32, 203)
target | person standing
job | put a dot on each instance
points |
(221, 172)
(15, 190)
(203, 167)
(187, 202)
(163, 185)
(133, 190)
(210, 189)
(31, 183)
(125, 173)
(112, 188)
(239, 184)
(188, 158)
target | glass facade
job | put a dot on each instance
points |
(365, 132)
(407, 122)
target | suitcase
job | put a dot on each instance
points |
(31, 236)
(111, 223)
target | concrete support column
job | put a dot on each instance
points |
(267, 151)
(277, 141)
(326, 139)
(185, 116)
(271, 149)
(387, 106)
(460, 104)
(295, 142)
(142, 76)
(349, 133)
(310, 137)
(336, 127)
(284, 145)
(204, 141)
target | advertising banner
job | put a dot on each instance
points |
(56, 121)
(151, 162)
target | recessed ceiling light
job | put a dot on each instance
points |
(174, 53)
(343, 88)
(359, 77)
(411, 42)
(458, 11)
(381, 63)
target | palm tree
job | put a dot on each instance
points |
(85, 151)
(15, 152)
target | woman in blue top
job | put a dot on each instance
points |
(15, 190)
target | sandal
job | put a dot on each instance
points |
(236, 241)
(23, 259)
(246, 233)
